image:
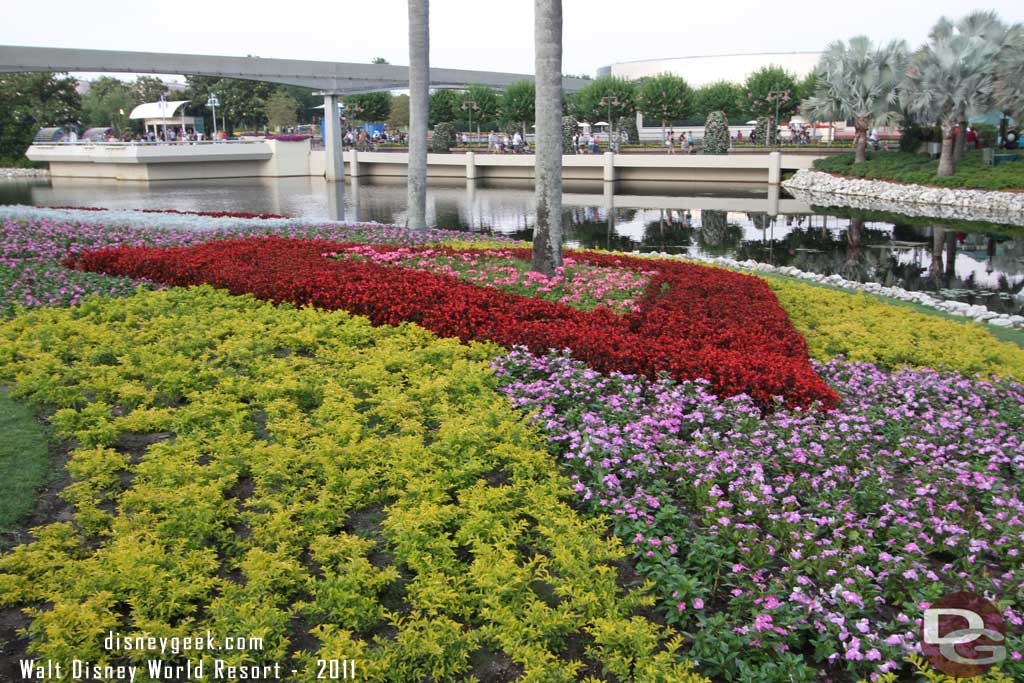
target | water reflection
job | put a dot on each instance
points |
(976, 264)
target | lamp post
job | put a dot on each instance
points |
(471, 107)
(777, 96)
(163, 114)
(610, 101)
(212, 102)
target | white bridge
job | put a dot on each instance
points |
(332, 79)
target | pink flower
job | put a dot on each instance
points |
(698, 603)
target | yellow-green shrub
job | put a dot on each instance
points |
(862, 328)
(308, 473)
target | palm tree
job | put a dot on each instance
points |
(861, 82)
(950, 78)
(419, 111)
(984, 26)
(1009, 76)
(547, 233)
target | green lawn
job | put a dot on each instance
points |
(24, 461)
(918, 168)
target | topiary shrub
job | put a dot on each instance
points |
(569, 127)
(716, 134)
(444, 138)
(764, 130)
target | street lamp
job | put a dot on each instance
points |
(777, 96)
(610, 101)
(212, 102)
(163, 114)
(471, 106)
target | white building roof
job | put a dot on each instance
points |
(153, 110)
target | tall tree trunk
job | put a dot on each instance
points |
(547, 233)
(950, 257)
(961, 141)
(860, 139)
(935, 268)
(853, 236)
(947, 164)
(419, 112)
(860, 145)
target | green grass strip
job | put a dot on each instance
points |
(24, 461)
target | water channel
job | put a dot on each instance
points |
(975, 263)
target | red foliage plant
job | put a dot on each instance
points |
(694, 322)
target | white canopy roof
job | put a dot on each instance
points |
(153, 110)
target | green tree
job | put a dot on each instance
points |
(665, 97)
(379, 60)
(281, 110)
(724, 96)
(949, 78)
(371, 106)
(518, 103)
(861, 82)
(483, 101)
(306, 98)
(768, 88)
(399, 116)
(32, 101)
(444, 106)
(242, 103)
(149, 89)
(619, 97)
(109, 102)
(806, 87)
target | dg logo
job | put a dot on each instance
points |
(962, 635)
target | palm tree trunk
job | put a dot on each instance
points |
(860, 145)
(947, 164)
(419, 112)
(547, 233)
(853, 235)
(961, 141)
(935, 268)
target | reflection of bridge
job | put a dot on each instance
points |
(332, 78)
(504, 199)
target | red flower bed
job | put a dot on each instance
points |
(695, 322)
(212, 214)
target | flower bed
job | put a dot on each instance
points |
(212, 214)
(31, 250)
(337, 489)
(693, 321)
(863, 328)
(580, 285)
(795, 542)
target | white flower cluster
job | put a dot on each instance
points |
(131, 217)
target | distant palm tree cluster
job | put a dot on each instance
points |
(967, 68)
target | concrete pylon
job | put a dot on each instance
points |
(335, 168)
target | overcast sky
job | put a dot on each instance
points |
(487, 35)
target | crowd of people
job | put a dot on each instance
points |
(505, 144)
(685, 142)
(363, 141)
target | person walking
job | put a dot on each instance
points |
(670, 141)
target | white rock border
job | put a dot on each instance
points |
(977, 313)
(24, 173)
(825, 189)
